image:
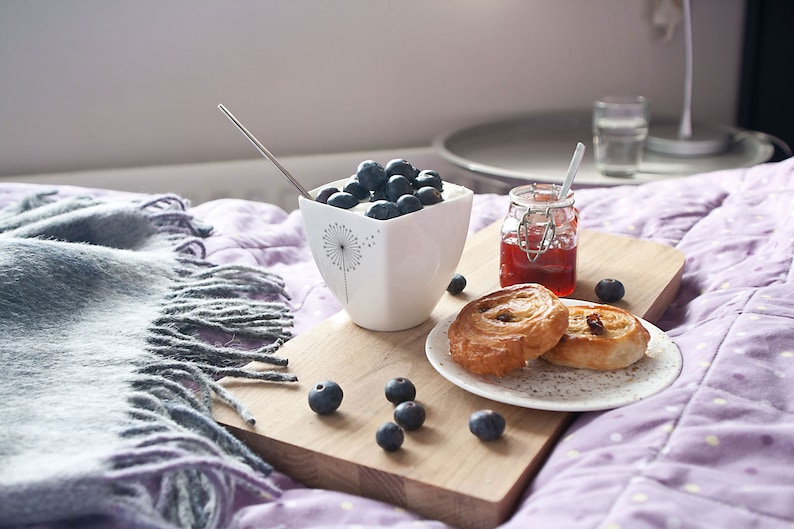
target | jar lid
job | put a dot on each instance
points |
(541, 194)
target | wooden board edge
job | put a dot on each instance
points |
(459, 510)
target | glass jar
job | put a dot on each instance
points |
(539, 239)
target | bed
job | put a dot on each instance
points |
(715, 449)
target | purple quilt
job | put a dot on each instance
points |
(716, 449)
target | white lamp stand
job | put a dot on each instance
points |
(686, 140)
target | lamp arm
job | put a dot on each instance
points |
(685, 127)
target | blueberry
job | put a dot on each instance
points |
(487, 425)
(399, 390)
(398, 186)
(356, 189)
(429, 195)
(324, 193)
(610, 290)
(408, 204)
(371, 175)
(456, 285)
(429, 178)
(390, 436)
(409, 414)
(342, 199)
(401, 167)
(325, 397)
(382, 210)
(430, 172)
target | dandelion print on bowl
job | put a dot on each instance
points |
(388, 275)
(344, 250)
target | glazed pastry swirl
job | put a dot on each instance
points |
(499, 332)
(600, 337)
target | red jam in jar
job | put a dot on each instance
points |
(539, 239)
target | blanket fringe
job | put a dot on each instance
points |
(237, 302)
(185, 452)
(219, 300)
(206, 322)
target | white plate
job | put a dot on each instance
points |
(544, 386)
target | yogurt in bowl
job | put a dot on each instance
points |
(388, 274)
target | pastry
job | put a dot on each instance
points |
(600, 337)
(497, 333)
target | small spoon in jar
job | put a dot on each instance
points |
(261, 148)
(576, 161)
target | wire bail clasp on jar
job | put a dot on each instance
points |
(531, 224)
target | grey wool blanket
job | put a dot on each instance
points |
(113, 333)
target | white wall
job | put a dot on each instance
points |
(88, 84)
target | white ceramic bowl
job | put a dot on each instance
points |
(388, 274)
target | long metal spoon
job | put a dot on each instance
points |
(261, 148)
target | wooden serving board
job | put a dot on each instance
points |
(442, 471)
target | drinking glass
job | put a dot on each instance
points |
(620, 128)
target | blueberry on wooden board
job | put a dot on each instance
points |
(390, 436)
(410, 415)
(325, 397)
(487, 425)
(399, 389)
(456, 284)
(610, 290)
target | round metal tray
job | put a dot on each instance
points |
(539, 148)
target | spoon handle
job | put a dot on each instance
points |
(261, 148)
(576, 161)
